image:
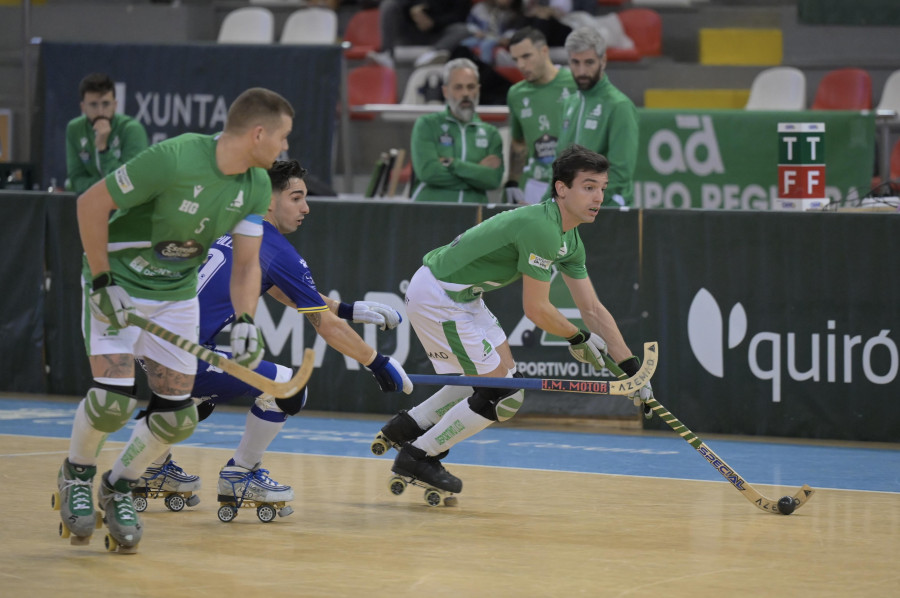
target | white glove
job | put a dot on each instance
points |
(390, 374)
(247, 345)
(587, 347)
(109, 302)
(372, 312)
(630, 368)
(643, 395)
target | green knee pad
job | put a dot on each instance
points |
(175, 425)
(108, 411)
(507, 407)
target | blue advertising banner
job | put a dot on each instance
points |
(175, 89)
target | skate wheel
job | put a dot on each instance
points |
(193, 500)
(379, 447)
(140, 504)
(432, 497)
(285, 511)
(174, 502)
(64, 531)
(451, 501)
(227, 513)
(110, 543)
(54, 501)
(397, 485)
(266, 513)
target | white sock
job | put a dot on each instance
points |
(258, 435)
(86, 441)
(142, 448)
(458, 424)
(431, 410)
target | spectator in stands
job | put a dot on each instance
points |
(535, 112)
(491, 24)
(599, 116)
(99, 141)
(546, 16)
(438, 23)
(456, 156)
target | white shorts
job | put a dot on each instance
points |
(458, 337)
(180, 317)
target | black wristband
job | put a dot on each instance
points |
(104, 279)
(379, 362)
(579, 337)
(511, 184)
(345, 311)
(245, 318)
(631, 365)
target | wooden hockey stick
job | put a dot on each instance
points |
(592, 387)
(279, 390)
(734, 478)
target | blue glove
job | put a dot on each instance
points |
(390, 374)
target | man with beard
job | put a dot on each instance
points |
(456, 156)
(534, 116)
(599, 116)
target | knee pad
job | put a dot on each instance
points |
(496, 404)
(292, 405)
(171, 420)
(108, 408)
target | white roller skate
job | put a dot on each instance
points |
(168, 482)
(240, 487)
(121, 518)
(74, 499)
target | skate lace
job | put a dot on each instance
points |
(124, 507)
(80, 493)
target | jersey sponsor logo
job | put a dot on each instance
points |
(188, 206)
(486, 347)
(122, 179)
(590, 124)
(526, 113)
(437, 355)
(178, 250)
(545, 148)
(481, 143)
(446, 140)
(540, 262)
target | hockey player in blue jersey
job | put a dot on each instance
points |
(287, 278)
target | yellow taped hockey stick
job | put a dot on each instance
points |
(279, 390)
(592, 387)
(785, 506)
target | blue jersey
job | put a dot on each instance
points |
(281, 266)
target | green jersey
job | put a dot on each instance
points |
(174, 202)
(535, 116)
(527, 240)
(440, 135)
(85, 165)
(604, 120)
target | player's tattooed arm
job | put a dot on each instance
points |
(315, 319)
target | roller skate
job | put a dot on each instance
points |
(401, 428)
(74, 499)
(168, 482)
(413, 466)
(240, 487)
(122, 521)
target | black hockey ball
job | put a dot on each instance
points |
(786, 505)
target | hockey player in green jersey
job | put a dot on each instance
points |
(445, 305)
(171, 203)
(535, 109)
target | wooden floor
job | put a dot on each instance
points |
(514, 533)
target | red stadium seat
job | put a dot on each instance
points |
(364, 32)
(644, 27)
(371, 84)
(844, 89)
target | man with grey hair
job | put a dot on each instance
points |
(456, 156)
(599, 116)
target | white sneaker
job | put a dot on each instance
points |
(240, 483)
(169, 478)
(432, 57)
